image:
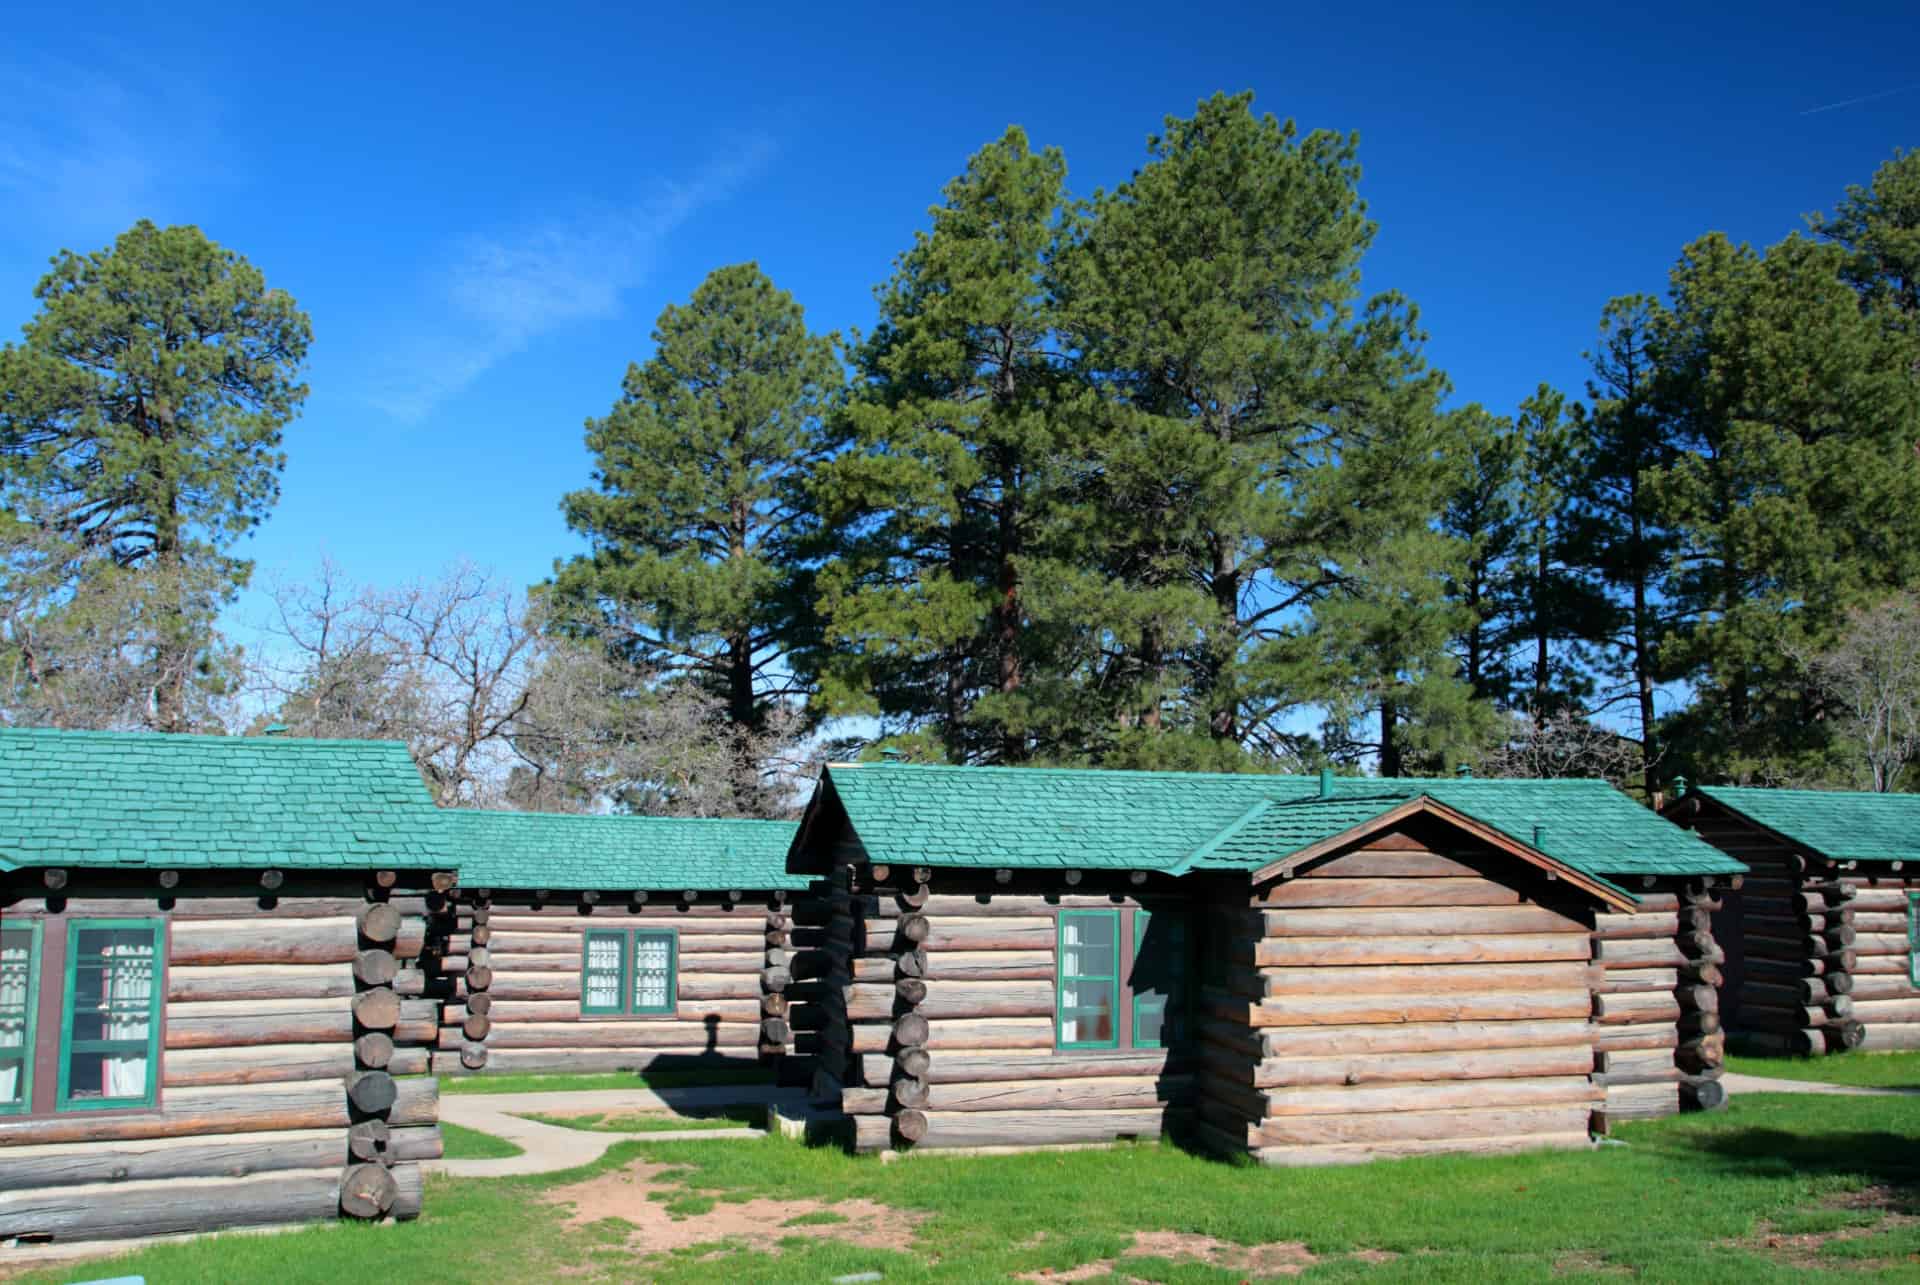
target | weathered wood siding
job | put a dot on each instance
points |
(287, 1018)
(514, 968)
(1790, 933)
(1405, 997)
(1885, 1000)
(936, 1014)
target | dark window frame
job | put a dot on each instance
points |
(30, 1009)
(149, 1095)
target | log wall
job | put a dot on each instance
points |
(1405, 997)
(1792, 939)
(296, 1034)
(1658, 1042)
(513, 970)
(934, 1014)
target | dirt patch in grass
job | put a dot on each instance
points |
(1276, 1258)
(645, 1197)
(1807, 1239)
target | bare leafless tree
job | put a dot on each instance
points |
(500, 711)
(1872, 677)
(1566, 744)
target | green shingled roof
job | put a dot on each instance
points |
(1177, 821)
(1839, 824)
(532, 850)
(117, 799)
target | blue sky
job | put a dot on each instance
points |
(484, 207)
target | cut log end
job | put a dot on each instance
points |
(367, 1191)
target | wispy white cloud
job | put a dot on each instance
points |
(1863, 98)
(86, 149)
(500, 292)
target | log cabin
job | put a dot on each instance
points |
(1820, 937)
(1304, 970)
(612, 943)
(212, 1007)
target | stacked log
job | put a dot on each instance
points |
(1886, 1003)
(291, 1061)
(517, 983)
(1392, 1000)
(949, 1003)
(1658, 1038)
(776, 1027)
(466, 1023)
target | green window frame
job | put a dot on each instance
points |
(19, 978)
(1168, 1003)
(653, 985)
(99, 979)
(1913, 938)
(1065, 981)
(611, 978)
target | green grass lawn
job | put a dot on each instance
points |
(1774, 1189)
(561, 1082)
(1868, 1070)
(657, 1121)
(470, 1144)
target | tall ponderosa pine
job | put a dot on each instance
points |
(1793, 491)
(939, 496)
(699, 508)
(1213, 297)
(1879, 228)
(1616, 529)
(141, 421)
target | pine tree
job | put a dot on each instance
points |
(1616, 532)
(699, 511)
(1262, 428)
(140, 423)
(938, 493)
(1792, 493)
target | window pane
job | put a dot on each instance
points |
(16, 996)
(1088, 944)
(600, 981)
(1087, 1012)
(111, 1013)
(652, 972)
(1089, 984)
(1159, 974)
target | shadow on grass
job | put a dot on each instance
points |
(1883, 1158)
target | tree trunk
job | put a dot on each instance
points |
(1390, 759)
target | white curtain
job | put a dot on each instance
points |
(603, 972)
(128, 998)
(13, 1013)
(652, 962)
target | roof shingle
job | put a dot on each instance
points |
(1098, 819)
(529, 850)
(1844, 825)
(120, 799)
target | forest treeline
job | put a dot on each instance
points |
(1136, 477)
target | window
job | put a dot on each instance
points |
(1089, 986)
(1159, 967)
(603, 972)
(19, 999)
(1122, 979)
(629, 972)
(653, 989)
(110, 1028)
(1913, 938)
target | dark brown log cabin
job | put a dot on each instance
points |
(212, 1006)
(604, 943)
(1820, 937)
(1309, 971)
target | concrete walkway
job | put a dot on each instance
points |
(1736, 1083)
(546, 1148)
